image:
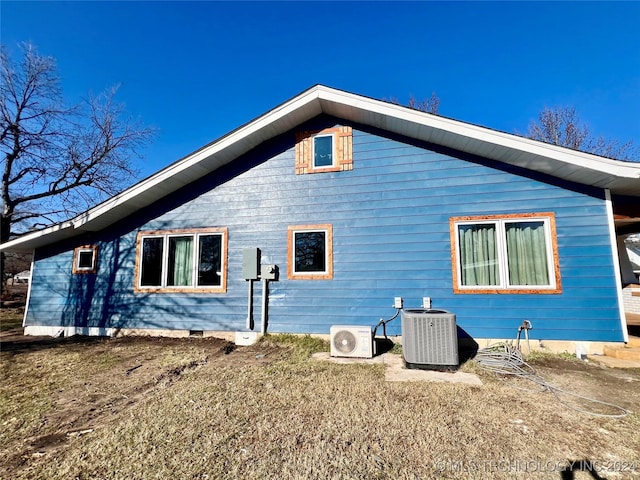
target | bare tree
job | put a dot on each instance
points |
(562, 126)
(58, 159)
(429, 105)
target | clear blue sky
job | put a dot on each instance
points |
(198, 70)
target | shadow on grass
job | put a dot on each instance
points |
(19, 343)
(569, 472)
(467, 346)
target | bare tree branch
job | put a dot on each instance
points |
(562, 126)
(429, 105)
(59, 159)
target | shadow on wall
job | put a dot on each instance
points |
(107, 300)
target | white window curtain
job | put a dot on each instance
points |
(180, 271)
(527, 253)
(478, 255)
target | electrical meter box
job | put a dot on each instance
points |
(251, 263)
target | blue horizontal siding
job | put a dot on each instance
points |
(390, 219)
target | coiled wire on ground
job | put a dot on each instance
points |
(506, 359)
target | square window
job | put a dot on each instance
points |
(323, 151)
(84, 259)
(182, 261)
(510, 254)
(310, 252)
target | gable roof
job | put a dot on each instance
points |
(622, 178)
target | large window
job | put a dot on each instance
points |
(310, 252)
(85, 259)
(182, 260)
(505, 254)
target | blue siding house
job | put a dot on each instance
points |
(355, 201)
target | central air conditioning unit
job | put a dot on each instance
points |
(429, 339)
(351, 341)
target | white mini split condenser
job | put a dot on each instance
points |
(351, 341)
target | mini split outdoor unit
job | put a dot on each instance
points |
(351, 341)
(429, 339)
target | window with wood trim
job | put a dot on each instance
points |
(310, 252)
(85, 259)
(182, 261)
(505, 254)
(328, 150)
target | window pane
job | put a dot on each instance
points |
(310, 252)
(151, 275)
(180, 262)
(210, 260)
(323, 151)
(478, 255)
(85, 260)
(527, 253)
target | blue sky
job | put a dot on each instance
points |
(197, 70)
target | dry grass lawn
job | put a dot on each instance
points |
(200, 409)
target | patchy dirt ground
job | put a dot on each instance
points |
(612, 385)
(66, 398)
(127, 371)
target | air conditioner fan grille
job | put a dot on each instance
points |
(344, 341)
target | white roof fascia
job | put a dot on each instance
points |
(27, 242)
(483, 134)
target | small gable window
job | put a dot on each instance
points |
(182, 260)
(310, 252)
(85, 259)
(323, 151)
(328, 150)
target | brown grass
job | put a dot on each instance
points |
(195, 409)
(11, 318)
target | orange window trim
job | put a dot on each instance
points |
(550, 216)
(76, 253)
(343, 141)
(291, 275)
